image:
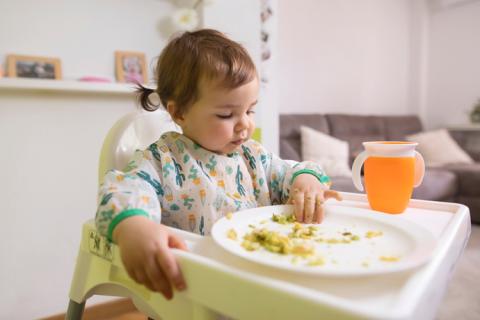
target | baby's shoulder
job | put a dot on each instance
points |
(167, 144)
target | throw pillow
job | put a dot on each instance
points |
(438, 148)
(329, 152)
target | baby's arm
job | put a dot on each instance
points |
(145, 251)
(129, 214)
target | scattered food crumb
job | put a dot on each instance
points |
(283, 219)
(317, 261)
(373, 234)
(232, 234)
(389, 258)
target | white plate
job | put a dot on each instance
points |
(409, 244)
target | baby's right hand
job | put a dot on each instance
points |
(145, 251)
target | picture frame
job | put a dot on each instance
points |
(130, 67)
(21, 66)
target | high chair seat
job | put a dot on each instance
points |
(136, 130)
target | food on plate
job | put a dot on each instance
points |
(276, 242)
(389, 258)
(232, 234)
(283, 219)
(373, 234)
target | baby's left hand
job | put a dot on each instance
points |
(308, 195)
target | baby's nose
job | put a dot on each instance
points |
(242, 124)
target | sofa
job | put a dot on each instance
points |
(453, 182)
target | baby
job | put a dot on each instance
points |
(209, 85)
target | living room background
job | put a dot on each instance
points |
(380, 57)
(345, 56)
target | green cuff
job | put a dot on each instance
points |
(122, 216)
(321, 177)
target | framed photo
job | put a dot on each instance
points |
(33, 67)
(130, 67)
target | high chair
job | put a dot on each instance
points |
(220, 282)
(99, 270)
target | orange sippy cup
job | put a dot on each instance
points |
(391, 170)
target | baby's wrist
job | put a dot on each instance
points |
(323, 179)
(128, 226)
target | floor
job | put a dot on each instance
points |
(129, 316)
(461, 299)
(463, 295)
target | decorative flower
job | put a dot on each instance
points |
(185, 19)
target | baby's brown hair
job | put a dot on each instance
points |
(194, 56)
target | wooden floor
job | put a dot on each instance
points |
(129, 316)
(121, 309)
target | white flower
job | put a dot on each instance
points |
(185, 19)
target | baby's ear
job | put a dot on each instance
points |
(174, 112)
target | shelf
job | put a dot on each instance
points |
(67, 86)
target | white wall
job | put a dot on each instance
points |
(84, 34)
(50, 142)
(344, 56)
(453, 78)
(50, 146)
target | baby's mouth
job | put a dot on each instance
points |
(238, 142)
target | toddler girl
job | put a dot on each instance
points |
(209, 85)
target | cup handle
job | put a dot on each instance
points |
(356, 170)
(419, 169)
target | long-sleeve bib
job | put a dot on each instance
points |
(180, 184)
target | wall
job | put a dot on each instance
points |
(453, 77)
(49, 159)
(344, 56)
(50, 142)
(84, 34)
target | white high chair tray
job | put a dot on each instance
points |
(349, 242)
(247, 290)
(229, 284)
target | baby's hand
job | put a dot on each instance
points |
(145, 251)
(308, 195)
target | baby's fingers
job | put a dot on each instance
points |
(298, 203)
(318, 209)
(332, 194)
(141, 277)
(170, 268)
(309, 208)
(158, 279)
(177, 243)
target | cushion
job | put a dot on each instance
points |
(288, 152)
(438, 148)
(468, 178)
(438, 185)
(290, 142)
(356, 129)
(329, 152)
(397, 127)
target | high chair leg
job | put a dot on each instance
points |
(75, 310)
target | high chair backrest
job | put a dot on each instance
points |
(136, 130)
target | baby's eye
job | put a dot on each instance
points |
(224, 116)
(250, 111)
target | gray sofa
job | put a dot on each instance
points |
(455, 183)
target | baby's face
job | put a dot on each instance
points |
(221, 119)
